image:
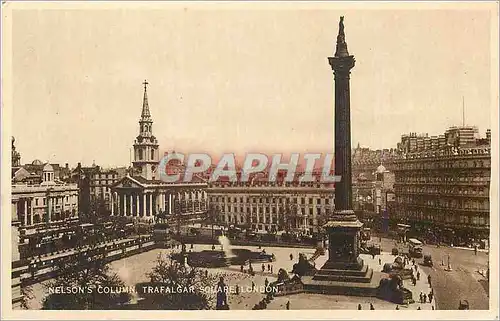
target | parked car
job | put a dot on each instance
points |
(428, 260)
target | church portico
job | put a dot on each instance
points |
(130, 197)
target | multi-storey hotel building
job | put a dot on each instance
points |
(446, 192)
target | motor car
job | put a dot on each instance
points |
(428, 260)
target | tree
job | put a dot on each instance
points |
(188, 285)
(86, 280)
(27, 293)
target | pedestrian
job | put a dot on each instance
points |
(429, 279)
(379, 261)
(432, 307)
(431, 295)
(418, 276)
(475, 249)
(413, 261)
(271, 269)
(291, 256)
(359, 306)
(425, 298)
(397, 307)
(288, 305)
(373, 256)
(241, 268)
(237, 289)
(253, 285)
(263, 268)
(371, 307)
(416, 268)
(421, 297)
(206, 273)
(266, 283)
(419, 308)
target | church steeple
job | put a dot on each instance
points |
(146, 145)
(145, 115)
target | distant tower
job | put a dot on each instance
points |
(146, 145)
(16, 157)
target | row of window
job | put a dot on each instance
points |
(271, 184)
(466, 204)
(443, 165)
(105, 176)
(104, 182)
(444, 179)
(463, 219)
(470, 190)
(274, 210)
(250, 220)
(270, 200)
(55, 200)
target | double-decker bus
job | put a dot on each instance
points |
(415, 248)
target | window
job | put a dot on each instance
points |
(36, 201)
(152, 154)
(140, 154)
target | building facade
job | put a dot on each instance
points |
(49, 201)
(272, 207)
(142, 195)
(39, 196)
(445, 192)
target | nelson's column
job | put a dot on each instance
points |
(344, 272)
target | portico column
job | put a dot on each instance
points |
(131, 199)
(48, 209)
(150, 204)
(124, 205)
(112, 203)
(32, 210)
(25, 212)
(137, 205)
(118, 204)
(169, 203)
(144, 204)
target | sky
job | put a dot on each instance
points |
(239, 80)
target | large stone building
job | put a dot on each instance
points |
(263, 206)
(443, 190)
(143, 195)
(39, 196)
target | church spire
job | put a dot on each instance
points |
(341, 44)
(145, 105)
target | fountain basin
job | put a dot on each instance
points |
(214, 258)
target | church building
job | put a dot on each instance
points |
(141, 194)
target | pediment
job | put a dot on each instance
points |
(128, 182)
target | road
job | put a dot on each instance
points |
(462, 283)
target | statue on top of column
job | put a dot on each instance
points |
(341, 44)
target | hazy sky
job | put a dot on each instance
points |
(239, 80)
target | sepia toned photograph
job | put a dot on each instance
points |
(256, 156)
